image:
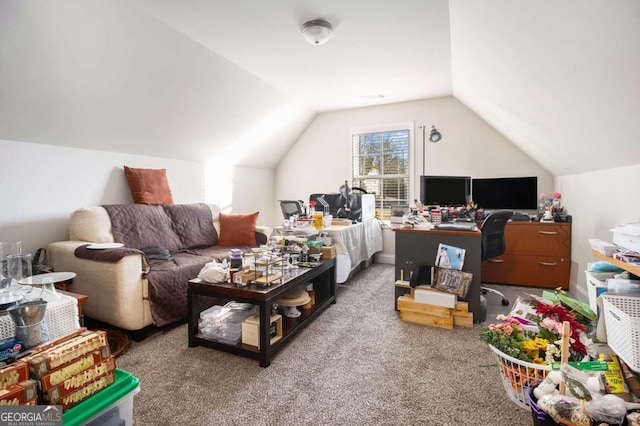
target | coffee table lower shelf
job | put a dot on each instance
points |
(323, 279)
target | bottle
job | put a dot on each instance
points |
(318, 219)
(235, 257)
(436, 217)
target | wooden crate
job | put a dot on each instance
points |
(251, 332)
(438, 316)
(407, 303)
(426, 319)
(328, 252)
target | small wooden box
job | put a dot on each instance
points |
(328, 252)
(341, 222)
(244, 277)
(251, 332)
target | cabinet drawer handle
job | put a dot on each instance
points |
(548, 263)
(495, 260)
(548, 232)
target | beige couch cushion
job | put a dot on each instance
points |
(90, 224)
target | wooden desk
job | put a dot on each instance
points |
(536, 254)
(416, 247)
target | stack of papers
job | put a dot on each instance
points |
(603, 247)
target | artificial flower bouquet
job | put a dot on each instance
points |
(532, 332)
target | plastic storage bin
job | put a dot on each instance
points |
(596, 285)
(112, 406)
(622, 319)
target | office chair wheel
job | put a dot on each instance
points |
(505, 301)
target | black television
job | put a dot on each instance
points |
(451, 191)
(513, 193)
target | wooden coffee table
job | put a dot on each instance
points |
(324, 287)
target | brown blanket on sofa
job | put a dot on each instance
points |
(109, 255)
(187, 231)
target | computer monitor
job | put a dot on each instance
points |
(451, 191)
(513, 193)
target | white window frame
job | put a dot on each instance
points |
(407, 125)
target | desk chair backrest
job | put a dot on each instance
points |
(493, 241)
(290, 207)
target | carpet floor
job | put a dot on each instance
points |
(356, 364)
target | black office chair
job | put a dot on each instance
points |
(493, 242)
(291, 207)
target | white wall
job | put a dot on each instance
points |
(106, 75)
(597, 202)
(253, 191)
(320, 160)
(43, 184)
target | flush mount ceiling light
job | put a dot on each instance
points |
(317, 31)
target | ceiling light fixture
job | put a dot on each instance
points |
(317, 31)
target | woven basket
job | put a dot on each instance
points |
(518, 375)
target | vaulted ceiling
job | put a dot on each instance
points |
(206, 79)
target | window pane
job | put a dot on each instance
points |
(381, 166)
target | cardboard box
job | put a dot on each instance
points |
(86, 391)
(13, 373)
(19, 394)
(79, 380)
(251, 332)
(60, 374)
(70, 350)
(431, 296)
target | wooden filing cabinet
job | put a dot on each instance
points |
(537, 254)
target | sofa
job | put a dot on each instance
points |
(144, 282)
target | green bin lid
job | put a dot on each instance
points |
(79, 414)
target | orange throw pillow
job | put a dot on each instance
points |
(238, 229)
(148, 186)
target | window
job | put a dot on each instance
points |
(381, 164)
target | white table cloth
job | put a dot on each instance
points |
(354, 244)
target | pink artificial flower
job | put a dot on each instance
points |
(551, 324)
(557, 195)
(543, 196)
